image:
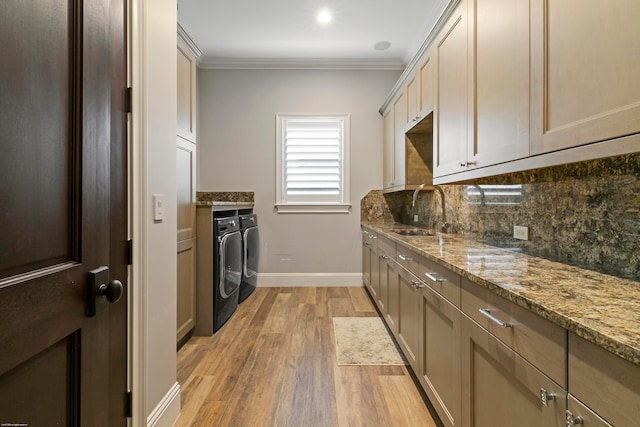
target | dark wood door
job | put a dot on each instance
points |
(62, 211)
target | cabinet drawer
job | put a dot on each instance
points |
(386, 247)
(440, 279)
(408, 259)
(587, 417)
(501, 388)
(539, 341)
(606, 383)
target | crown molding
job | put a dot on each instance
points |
(298, 64)
(188, 40)
(435, 30)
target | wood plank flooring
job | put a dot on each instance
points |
(274, 364)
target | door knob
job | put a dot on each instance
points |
(113, 291)
(99, 285)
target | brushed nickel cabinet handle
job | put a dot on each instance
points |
(405, 257)
(433, 278)
(487, 313)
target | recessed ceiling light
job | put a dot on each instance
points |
(382, 45)
(324, 16)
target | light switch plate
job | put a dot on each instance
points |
(520, 232)
(416, 218)
(158, 207)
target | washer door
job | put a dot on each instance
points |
(251, 253)
(230, 274)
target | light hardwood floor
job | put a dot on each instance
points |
(274, 364)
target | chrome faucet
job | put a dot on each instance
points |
(415, 195)
(444, 226)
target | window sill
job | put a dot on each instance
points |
(312, 208)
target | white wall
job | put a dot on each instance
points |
(237, 151)
(154, 39)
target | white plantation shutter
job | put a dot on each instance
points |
(313, 157)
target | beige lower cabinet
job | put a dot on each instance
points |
(387, 299)
(409, 316)
(606, 383)
(439, 344)
(186, 289)
(579, 414)
(392, 293)
(500, 388)
(366, 259)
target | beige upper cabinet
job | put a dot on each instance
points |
(420, 90)
(407, 159)
(388, 148)
(585, 68)
(452, 127)
(482, 106)
(186, 97)
(499, 40)
(399, 150)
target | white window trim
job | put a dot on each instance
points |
(344, 205)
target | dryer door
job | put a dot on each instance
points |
(251, 255)
(230, 264)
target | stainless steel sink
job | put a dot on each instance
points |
(414, 232)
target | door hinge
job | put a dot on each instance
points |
(129, 250)
(128, 404)
(128, 96)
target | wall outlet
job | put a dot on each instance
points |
(416, 218)
(520, 232)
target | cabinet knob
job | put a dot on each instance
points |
(573, 420)
(416, 285)
(546, 397)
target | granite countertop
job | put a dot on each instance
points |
(602, 309)
(223, 203)
(225, 199)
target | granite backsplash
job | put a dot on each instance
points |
(585, 214)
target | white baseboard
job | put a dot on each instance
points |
(167, 411)
(289, 280)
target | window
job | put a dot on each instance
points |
(312, 163)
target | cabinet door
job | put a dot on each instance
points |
(389, 149)
(439, 346)
(499, 386)
(186, 189)
(409, 318)
(399, 150)
(383, 279)
(451, 122)
(393, 296)
(412, 89)
(499, 47)
(585, 68)
(366, 260)
(426, 89)
(186, 288)
(375, 273)
(186, 95)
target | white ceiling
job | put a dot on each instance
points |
(272, 32)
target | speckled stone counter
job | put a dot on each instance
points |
(602, 309)
(230, 200)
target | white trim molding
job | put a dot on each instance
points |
(210, 63)
(167, 411)
(138, 211)
(309, 280)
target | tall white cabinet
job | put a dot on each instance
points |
(187, 53)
